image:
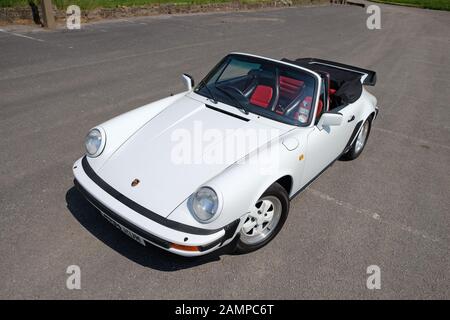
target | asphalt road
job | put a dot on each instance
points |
(390, 207)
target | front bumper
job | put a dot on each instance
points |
(164, 233)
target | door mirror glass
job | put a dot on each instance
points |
(329, 119)
(188, 81)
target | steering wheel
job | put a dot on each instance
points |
(233, 89)
(234, 92)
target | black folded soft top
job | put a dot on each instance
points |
(338, 71)
(346, 79)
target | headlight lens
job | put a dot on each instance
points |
(205, 204)
(94, 143)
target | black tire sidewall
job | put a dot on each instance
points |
(352, 154)
(278, 191)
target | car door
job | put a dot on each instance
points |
(349, 112)
(350, 115)
(325, 144)
(323, 147)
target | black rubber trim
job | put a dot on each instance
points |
(144, 234)
(140, 209)
(352, 137)
(227, 113)
(230, 230)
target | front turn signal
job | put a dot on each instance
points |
(184, 248)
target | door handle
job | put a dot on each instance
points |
(351, 119)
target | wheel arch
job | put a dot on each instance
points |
(286, 182)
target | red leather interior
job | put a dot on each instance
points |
(307, 102)
(306, 106)
(290, 87)
(319, 108)
(261, 96)
(331, 91)
(303, 111)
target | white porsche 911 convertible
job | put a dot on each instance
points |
(220, 162)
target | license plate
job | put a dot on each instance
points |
(128, 232)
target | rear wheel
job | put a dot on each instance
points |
(359, 143)
(265, 220)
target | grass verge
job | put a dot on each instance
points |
(425, 4)
(92, 4)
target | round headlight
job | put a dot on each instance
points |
(205, 204)
(94, 142)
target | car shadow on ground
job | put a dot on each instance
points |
(148, 256)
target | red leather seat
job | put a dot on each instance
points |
(261, 96)
(290, 87)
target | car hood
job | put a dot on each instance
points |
(179, 150)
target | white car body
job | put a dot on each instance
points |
(138, 145)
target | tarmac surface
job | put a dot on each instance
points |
(389, 208)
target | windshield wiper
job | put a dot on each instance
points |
(240, 107)
(211, 95)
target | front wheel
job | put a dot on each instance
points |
(265, 219)
(359, 143)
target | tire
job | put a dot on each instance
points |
(269, 215)
(358, 146)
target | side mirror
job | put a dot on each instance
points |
(329, 119)
(188, 81)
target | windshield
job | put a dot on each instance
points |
(266, 88)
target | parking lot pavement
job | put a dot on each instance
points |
(390, 207)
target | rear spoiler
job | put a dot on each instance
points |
(368, 77)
